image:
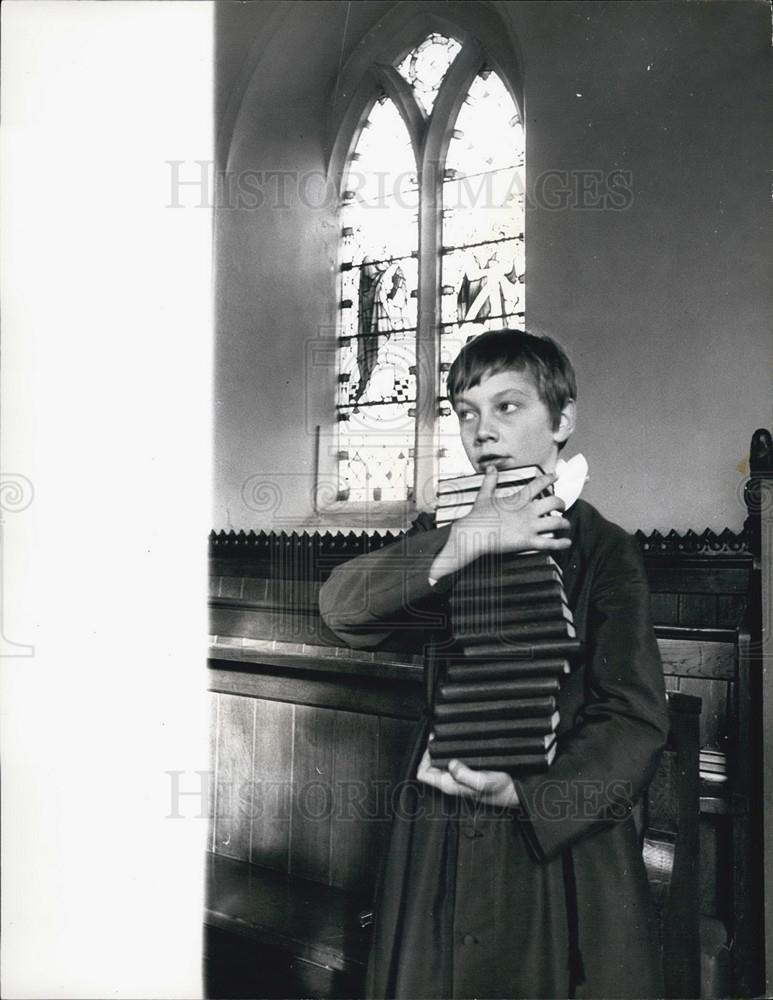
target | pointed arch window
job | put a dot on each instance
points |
(431, 253)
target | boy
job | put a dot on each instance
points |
(529, 887)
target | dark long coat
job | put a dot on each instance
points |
(550, 900)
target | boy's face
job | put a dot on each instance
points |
(503, 422)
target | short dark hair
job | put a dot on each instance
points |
(515, 350)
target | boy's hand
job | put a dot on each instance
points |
(492, 788)
(510, 523)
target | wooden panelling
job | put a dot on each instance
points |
(731, 609)
(312, 808)
(296, 658)
(359, 695)
(724, 611)
(233, 781)
(313, 783)
(231, 586)
(395, 739)
(262, 623)
(273, 790)
(665, 609)
(696, 610)
(707, 577)
(355, 761)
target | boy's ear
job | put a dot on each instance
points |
(567, 423)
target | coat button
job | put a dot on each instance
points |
(469, 939)
(471, 832)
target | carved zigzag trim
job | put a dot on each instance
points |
(691, 543)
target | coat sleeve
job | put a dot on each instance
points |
(608, 758)
(386, 595)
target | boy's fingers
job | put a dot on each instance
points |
(464, 775)
(544, 505)
(476, 781)
(438, 777)
(552, 543)
(430, 776)
(488, 485)
(536, 486)
(552, 524)
(443, 781)
(427, 773)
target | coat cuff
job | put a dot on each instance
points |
(553, 814)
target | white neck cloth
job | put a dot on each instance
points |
(571, 477)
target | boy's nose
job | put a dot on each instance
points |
(486, 430)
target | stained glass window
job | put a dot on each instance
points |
(481, 271)
(482, 263)
(426, 65)
(377, 358)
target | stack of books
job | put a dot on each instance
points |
(713, 765)
(455, 497)
(514, 640)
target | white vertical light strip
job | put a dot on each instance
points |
(106, 387)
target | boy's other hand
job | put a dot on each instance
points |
(509, 523)
(492, 788)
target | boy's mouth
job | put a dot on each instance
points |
(500, 461)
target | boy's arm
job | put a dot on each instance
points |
(369, 598)
(608, 759)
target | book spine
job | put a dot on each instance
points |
(526, 578)
(515, 635)
(506, 477)
(468, 495)
(497, 727)
(539, 593)
(535, 649)
(524, 687)
(506, 562)
(482, 620)
(520, 708)
(527, 560)
(449, 515)
(506, 668)
(518, 763)
(440, 747)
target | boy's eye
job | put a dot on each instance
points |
(465, 416)
(508, 407)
